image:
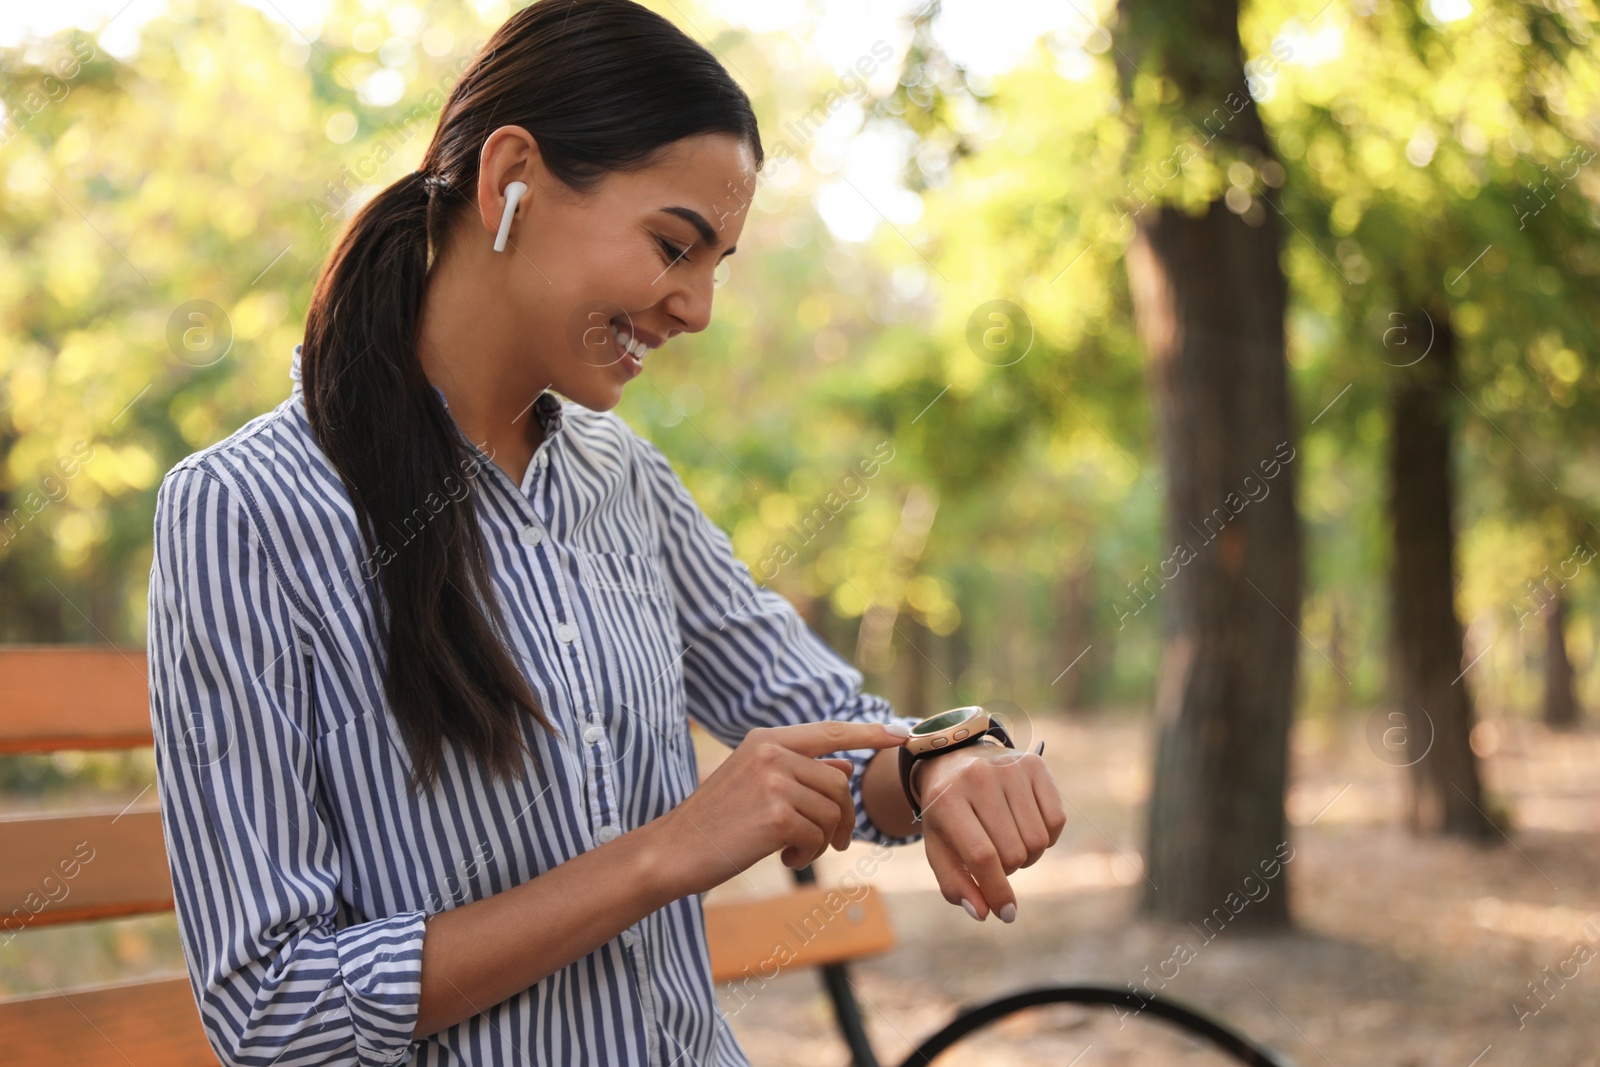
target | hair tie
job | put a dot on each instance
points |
(431, 183)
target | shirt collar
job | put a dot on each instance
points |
(547, 406)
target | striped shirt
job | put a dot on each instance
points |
(302, 867)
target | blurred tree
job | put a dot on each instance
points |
(1561, 708)
(164, 212)
(1024, 403)
(1436, 156)
(1209, 297)
(1446, 790)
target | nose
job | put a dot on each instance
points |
(689, 303)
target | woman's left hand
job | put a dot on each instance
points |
(987, 810)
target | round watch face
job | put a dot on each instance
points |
(944, 720)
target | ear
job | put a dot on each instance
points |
(509, 154)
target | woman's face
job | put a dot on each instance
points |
(633, 258)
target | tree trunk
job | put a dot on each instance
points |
(31, 611)
(1074, 646)
(958, 646)
(1209, 296)
(1337, 656)
(914, 664)
(875, 639)
(1004, 665)
(1445, 795)
(1560, 702)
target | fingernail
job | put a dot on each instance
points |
(965, 903)
(899, 729)
(1008, 914)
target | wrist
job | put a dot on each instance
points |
(921, 774)
(663, 863)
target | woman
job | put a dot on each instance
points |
(425, 639)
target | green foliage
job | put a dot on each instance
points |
(1436, 171)
(164, 218)
(217, 165)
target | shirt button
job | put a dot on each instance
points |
(593, 733)
(532, 535)
(567, 632)
(630, 938)
(542, 459)
(606, 833)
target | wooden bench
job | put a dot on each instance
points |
(66, 698)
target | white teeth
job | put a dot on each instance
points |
(630, 344)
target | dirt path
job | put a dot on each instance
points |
(1410, 953)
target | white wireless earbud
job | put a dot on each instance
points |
(514, 193)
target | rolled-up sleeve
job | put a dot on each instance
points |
(255, 870)
(749, 658)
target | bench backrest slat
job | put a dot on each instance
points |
(145, 1024)
(804, 927)
(62, 697)
(68, 868)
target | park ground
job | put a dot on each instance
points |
(1407, 953)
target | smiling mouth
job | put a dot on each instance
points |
(629, 344)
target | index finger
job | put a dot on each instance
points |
(834, 735)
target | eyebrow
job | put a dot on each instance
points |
(701, 226)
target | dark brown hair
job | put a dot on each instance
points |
(602, 86)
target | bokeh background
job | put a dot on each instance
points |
(967, 258)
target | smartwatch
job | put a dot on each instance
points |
(945, 732)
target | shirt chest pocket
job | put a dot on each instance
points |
(633, 610)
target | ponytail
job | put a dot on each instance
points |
(384, 429)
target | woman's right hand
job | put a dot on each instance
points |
(772, 793)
